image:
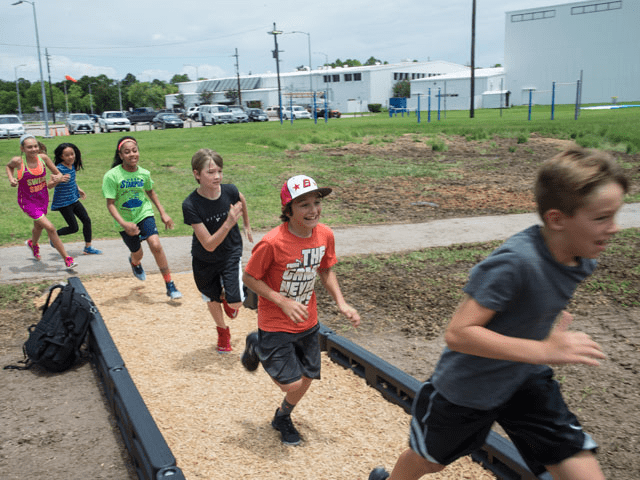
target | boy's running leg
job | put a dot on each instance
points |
(582, 466)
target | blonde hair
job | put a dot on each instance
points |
(565, 181)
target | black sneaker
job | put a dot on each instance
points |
(249, 358)
(378, 473)
(138, 271)
(290, 435)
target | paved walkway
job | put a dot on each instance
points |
(17, 264)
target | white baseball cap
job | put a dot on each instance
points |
(299, 185)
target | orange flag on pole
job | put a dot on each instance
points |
(71, 79)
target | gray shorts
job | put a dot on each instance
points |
(287, 357)
(536, 418)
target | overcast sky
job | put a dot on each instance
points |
(159, 38)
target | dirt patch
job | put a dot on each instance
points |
(404, 312)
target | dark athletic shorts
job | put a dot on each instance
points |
(210, 278)
(147, 228)
(536, 419)
(287, 357)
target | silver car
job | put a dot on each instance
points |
(239, 114)
(11, 126)
(79, 122)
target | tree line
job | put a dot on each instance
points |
(87, 94)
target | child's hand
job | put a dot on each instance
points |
(131, 229)
(565, 347)
(168, 223)
(13, 182)
(235, 212)
(296, 311)
(352, 314)
(82, 194)
(247, 232)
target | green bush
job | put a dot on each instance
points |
(375, 107)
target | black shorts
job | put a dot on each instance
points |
(147, 228)
(210, 278)
(536, 418)
(287, 357)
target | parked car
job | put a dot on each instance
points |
(257, 115)
(11, 126)
(192, 113)
(273, 111)
(114, 120)
(333, 113)
(214, 114)
(80, 122)
(94, 118)
(239, 114)
(167, 120)
(295, 111)
(179, 112)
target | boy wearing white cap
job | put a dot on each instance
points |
(282, 271)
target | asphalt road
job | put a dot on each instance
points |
(17, 263)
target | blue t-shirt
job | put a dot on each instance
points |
(528, 289)
(65, 193)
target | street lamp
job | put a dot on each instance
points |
(192, 66)
(326, 57)
(44, 96)
(309, 44)
(15, 71)
(91, 97)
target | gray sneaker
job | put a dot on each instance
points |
(138, 271)
(378, 473)
(283, 424)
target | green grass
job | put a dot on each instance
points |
(256, 158)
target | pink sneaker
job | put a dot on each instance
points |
(224, 340)
(69, 262)
(34, 247)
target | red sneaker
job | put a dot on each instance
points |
(34, 247)
(231, 312)
(224, 340)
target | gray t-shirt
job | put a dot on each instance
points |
(528, 288)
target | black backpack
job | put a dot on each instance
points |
(55, 341)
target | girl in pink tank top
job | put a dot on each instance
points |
(33, 195)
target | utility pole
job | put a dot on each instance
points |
(276, 55)
(473, 58)
(53, 107)
(238, 76)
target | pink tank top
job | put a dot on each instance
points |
(33, 195)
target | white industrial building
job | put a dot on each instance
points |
(348, 89)
(597, 40)
(547, 50)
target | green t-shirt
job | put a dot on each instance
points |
(128, 190)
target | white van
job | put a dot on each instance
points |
(214, 114)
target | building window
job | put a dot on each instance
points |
(326, 78)
(596, 7)
(525, 17)
(357, 77)
(336, 78)
(347, 77)
(395, 76)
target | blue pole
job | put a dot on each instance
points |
(419, 108)
(575, 117)
(429, 107)
(553, 98)
(439, 103)
(291, 108)
(530, 95)
(326, 107)
(315, 109)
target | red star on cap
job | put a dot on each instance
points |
(296, 187)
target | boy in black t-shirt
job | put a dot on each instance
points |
(213, 210)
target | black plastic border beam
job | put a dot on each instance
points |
(149, 452)
(498, 454)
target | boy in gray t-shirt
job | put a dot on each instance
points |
(502, 336)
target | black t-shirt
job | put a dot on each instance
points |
(213, 213)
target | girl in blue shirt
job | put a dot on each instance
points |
(67, 195)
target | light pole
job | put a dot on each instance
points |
(15, 71)
(326, 57)
(44, 96)
(91, 97)
(276, 55)
(310, 67)
(192, 66)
